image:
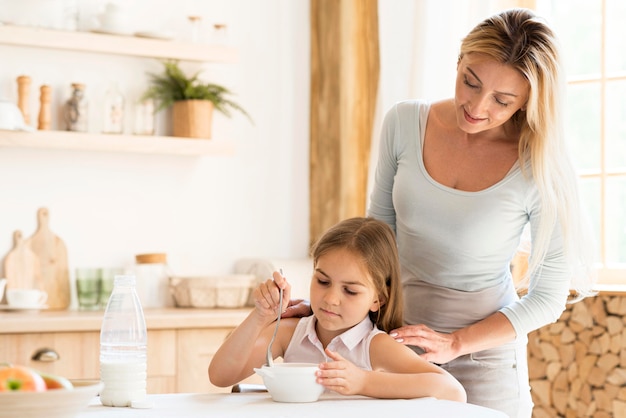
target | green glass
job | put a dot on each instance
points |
(88, 285)
(107, 277)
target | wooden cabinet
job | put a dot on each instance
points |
(181, 344)
(196, 348)
(75, 355)
(81, 42)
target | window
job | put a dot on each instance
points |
(593, 38)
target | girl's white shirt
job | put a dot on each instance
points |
(353, 345)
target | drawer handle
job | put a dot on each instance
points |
(46, 355)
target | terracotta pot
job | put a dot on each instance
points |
(192, 118)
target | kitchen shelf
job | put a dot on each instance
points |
(142, 144)
(115, 44)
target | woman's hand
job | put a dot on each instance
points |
(438, 347)
(341, 375)
(267, 296)
(297, 308)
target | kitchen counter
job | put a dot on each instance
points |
(156, 319)
(181, 343)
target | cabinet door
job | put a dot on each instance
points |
(196, 348)
(161, 361)
(77, 352)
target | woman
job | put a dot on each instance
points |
(458, 180)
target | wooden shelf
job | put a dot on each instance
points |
(142, 144)
(114, 44)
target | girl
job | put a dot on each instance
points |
(355, 298)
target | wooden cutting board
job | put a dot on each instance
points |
(21, 266)
(51, 252)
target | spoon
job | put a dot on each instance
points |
(270, 361)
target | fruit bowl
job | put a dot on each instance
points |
(291, 382)
(53, 403)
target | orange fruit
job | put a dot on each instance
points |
(20, 378)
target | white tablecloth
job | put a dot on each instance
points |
(260, 405)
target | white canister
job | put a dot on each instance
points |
(153, 274)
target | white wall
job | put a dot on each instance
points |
(204, 212)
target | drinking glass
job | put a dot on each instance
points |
(88, 287)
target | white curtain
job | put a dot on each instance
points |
(419, 46)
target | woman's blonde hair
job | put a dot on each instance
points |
(523, 41)
(374, 243)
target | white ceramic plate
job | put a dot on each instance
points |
(22, 307)
(57, 403)
(166, 36)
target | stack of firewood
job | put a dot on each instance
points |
(577, 365)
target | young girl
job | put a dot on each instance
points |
(355, 298)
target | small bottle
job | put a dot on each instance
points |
(113, 111)
(123, 346)
(144, 117)
(76, 109)
(220, 34)
(196, 24)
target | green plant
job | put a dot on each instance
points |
(174, 85)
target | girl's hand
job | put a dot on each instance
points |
(341, 375)
(267, 296)
(438, 347)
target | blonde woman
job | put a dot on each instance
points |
(458, 180)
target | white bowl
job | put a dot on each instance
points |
(54, 403)
(291, 382)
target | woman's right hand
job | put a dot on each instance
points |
(438, 347)
(267, 296)
(298, 308)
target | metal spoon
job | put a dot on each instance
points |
(269, 357)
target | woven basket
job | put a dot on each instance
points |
(212, 292)
(192, 118)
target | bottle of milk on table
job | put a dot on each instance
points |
(123, 343)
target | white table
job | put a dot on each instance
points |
(260, 405)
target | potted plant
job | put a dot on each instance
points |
(192, 100)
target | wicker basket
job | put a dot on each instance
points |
(229, 291)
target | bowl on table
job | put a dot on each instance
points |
(53, 403)
(291, 382)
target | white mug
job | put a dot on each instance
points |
(26, 297)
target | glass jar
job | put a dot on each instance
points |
(153, 275)
(75, 111)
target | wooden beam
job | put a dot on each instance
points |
(344, 83)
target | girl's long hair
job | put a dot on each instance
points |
(373, 242)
